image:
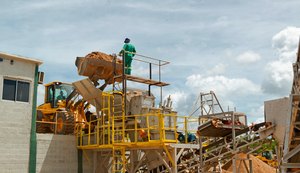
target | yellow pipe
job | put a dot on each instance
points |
(169, 155)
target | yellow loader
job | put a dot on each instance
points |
(59, 112)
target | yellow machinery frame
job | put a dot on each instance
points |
(112, 132)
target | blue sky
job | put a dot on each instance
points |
(243, 50)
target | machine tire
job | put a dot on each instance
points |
(71, 121)
(65, 123)
(41, 127)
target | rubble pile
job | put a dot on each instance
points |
(258, 166)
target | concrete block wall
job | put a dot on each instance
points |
(56, 153)
(277, 111)
(15, 124)
(14, 138)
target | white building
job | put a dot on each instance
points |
(18, 90)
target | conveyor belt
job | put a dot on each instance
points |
(214, 129)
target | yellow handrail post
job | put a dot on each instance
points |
(103, 130)
(175, 128)
(148, 127)
(77, 135)
(123, 122)
(108, 118)
(135, 130)
(163, 126)
(89, 134)
(113, 133)
(81, 134)
(97, 138)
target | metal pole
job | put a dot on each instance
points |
(202, 107)
(114, 67)
(212, 103)
(250, 164)
(55, 123)
(233, 144)
(234, 164)
(124, 86)
(159, 72)
(201, 155)
(150, 77)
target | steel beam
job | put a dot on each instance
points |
(291, 153)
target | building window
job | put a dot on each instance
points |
(15, 90)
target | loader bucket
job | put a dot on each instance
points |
(98, 65)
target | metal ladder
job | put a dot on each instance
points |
(209, 104)
(118, 118)
(119, 160)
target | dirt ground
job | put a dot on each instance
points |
(258, 166)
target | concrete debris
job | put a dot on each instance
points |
(258, 165)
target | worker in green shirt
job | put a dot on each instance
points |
(128, 56)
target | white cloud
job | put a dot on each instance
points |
(279, 72)
(229, 91)
(259, 120)
(257, 112)
(217, 70)
(286, 40)
(279, 75)
(182, 101)
(177, 97)
(223, 85)
(248, 57)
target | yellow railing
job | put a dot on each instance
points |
(142, 130)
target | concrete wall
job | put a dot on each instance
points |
(56, 153)
(15, 121)
(96, 161)
(89, 161)
(277, 112)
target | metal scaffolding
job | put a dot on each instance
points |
(127, 142)
(291, 151)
